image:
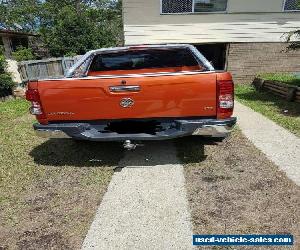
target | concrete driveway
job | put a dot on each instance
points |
(145, 206)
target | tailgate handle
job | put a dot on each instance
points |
(122, 88)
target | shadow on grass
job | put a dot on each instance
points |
(295, 82)
(66, 152)
(269, 99)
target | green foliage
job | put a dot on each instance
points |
(67, 26)
(1, 50)
(3, 64)
(77, 29)
(70, 54)
(6, 82)
(21, 12)
(23, 54)
(293, 39)
(281, 77)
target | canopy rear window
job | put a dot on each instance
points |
(144, 59)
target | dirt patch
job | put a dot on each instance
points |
(47, 240)
(235, 189)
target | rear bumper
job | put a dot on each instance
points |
(172, 129)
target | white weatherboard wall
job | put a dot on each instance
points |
(244, 21)
(208, 32)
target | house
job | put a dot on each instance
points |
(11, 39)
(245, 37)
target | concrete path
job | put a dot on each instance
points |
(278, 144)
(145, 206)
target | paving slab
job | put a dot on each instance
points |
(145, 206)
(278, 144)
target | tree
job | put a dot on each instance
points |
(21, 14)
(77, 29)
(67, 26)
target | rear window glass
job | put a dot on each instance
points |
(143, 59)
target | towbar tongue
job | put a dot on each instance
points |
(129, 145)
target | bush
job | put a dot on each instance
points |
(3, 64)
(1, 50)
(23, 54)
(70, 54)
(6, 83)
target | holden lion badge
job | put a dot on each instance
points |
(126, 102)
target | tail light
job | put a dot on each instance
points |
(33, 96)
(225, 98)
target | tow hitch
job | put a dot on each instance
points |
(129, 145)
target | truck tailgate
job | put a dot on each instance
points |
(156, 96)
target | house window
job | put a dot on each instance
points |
(290, 5)
(210, 5)
(175, 6)
(192, 6)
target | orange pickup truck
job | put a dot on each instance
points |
(135, 93)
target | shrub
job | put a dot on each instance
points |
(70, 54)
(3, 64)
(6, 83)
(23, 54)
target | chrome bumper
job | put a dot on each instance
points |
(172, 129)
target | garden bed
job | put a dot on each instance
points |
(283, 85)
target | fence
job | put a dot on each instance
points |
(288, 92)
(48, 68)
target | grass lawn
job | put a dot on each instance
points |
(286, 114)
(282, 77)
(49, 189)
(233, 188)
